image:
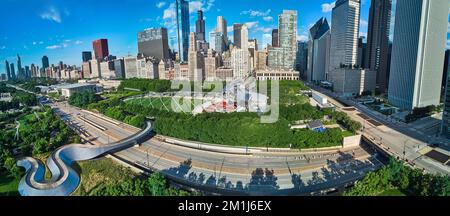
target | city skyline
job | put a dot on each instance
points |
(66, 43)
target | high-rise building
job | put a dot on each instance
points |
(345, 33)
(237, 34)
(301, 64)
(13, 73)
(154, 42)
(101, 49)
(347, 77)
(196, 60)
(275, 42)
(378, 41)
(95, 68)
(222, 28)
(362, 51)
(8, 71)
(45, 62)
(86, 56)
(446, 68)
(240, 57)
(86, 69)
(130, 64)
(200, 30)
(26, 72)
(119, 68)
(20, 71)
(221, 41)
(284, 56)
(446, 114)
(183, 28)
(211, 64)
(420, 37)
(318, 51)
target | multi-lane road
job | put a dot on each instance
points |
(257, 174)
(400, 140)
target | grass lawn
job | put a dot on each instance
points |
(8, 186)
(98, 173)
(392, 192)
(347, 134)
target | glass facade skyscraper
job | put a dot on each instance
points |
(183, 28)
(418, 53)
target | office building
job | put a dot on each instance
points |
(119, 68)
(344, 34)
(101, 49)
(237, 35)
(212, 62)
(86, 56)
(196, 60)
(222, 28)
(95, 69)
(154, 42)
(446, 114)
(183, 29)
(86, 69)
(271, 74)
(319, 51)
(20, 70)
(200, 29)
(362, 51)
(418, 51)
(284, 55)
(13, 73)
(376, 55)
(301, 64)
(130, 64)
(45, 62)
(8, 71)
(275, 38)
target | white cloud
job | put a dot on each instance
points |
(34, 42)
(2, 47)
(41, 42)
(230, 29)
(268, 18)
(53, 47)
(160, 4)
(170, 12)
(51, 14)
(65, 45)
(328, 7)
(195, 6)
(254, 13)
(302, 38)
(364, 23)
(263, 29)
(78, 42)
(251, 25)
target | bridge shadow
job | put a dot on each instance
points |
(264, 181)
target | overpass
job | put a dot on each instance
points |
(65, 179)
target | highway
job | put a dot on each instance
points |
(262, 173)
(400, 140)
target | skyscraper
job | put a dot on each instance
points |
(345, 33)
(240, 56)
(200, 26)
(196, 60)
(222, 27)
(13, 73)
(8, 71)
(376, 55)
(45, 62)
(446, 114)
(154, 42)
(86, 56)
(275, 38)
(221, 44)
(418, 53)
(183, 28)
(284, 56)
(362, 51)
(237, 34)
(100, 47)
(318, 50)
(19, 67)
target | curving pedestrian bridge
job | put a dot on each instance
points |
(65, 179)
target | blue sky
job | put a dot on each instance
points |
(62, 29)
